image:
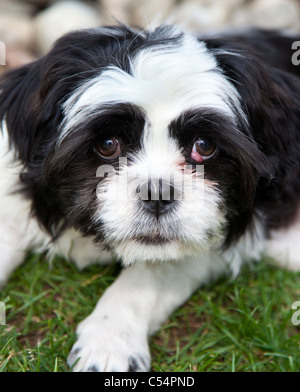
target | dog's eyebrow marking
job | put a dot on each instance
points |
(164, 81)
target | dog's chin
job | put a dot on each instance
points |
(157, 249)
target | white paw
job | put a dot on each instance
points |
(105, 345)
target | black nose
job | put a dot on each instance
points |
(157, 196)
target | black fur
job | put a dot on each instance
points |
(269, 85)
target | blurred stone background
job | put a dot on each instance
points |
(28, 28)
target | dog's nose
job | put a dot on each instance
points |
(158, 196)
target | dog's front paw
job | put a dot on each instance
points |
(104, 346)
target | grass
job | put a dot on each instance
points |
(231, 326)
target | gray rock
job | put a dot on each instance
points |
(61, 18)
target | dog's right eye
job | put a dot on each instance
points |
(108, 148)
(202, 150)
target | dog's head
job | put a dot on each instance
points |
(139, 139)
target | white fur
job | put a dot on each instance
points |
(124, 219)
(133, 308)
(284, 247)
(164, 83)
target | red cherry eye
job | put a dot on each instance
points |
(108, 148)
(202, 150)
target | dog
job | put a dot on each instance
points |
(176, 155)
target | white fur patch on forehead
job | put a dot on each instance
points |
(186, 76)
(164, 81)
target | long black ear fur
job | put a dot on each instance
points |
(259, 65)
(18, 97)
(21, 108)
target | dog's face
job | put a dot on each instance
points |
(139, 140)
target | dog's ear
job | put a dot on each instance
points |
(18, 98)
(269, 88)
(268, 84)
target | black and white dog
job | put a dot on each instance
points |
(178, 156)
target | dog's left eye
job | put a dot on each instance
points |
(108, 148)
(202, 150)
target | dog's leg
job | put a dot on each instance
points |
(284, 247)
(11, 256)
(114, 337)
(13, 212)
